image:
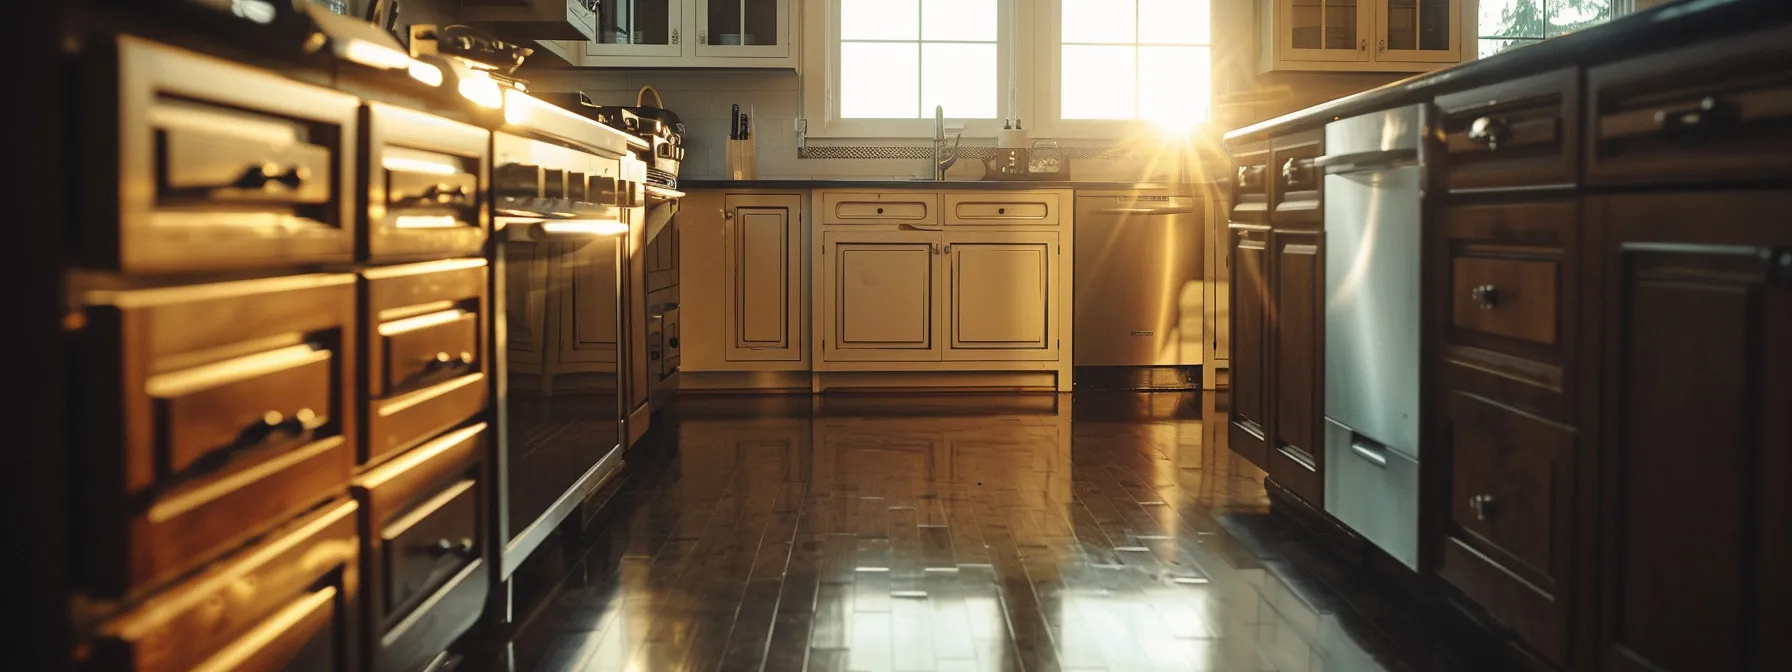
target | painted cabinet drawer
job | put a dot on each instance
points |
(880, 208)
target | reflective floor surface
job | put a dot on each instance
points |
(988, 532)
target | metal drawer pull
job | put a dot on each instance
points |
(1482, 505)
(1708, 114)
(1485, 296)
(1250, 177)
(263, 175)
(1373, 454)
(447, 547)
(443, 360)
(1489, 131)
(1296, 171)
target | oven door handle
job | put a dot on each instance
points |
(1355, 162)
(561, 229)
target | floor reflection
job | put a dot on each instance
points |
(1108, 532)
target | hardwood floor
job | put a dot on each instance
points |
(1110, 532)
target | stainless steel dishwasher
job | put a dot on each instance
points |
(1372, 246)
(1138, 292)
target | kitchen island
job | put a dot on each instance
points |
(1606, 329)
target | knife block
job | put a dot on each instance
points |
(739, 160)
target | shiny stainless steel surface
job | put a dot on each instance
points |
(1372, 250)
(1137, 279)
(1373, 490)
(943, 157)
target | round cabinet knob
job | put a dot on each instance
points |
(466, 358)
(1482, 505)
(1485, 296)
(880, 211)
(1489, 131)
(1001, 211)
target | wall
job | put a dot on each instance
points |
(703, 100)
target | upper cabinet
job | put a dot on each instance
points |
(687, 34)
(1362, 35)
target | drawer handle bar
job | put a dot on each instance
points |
(1485, 296)
(263, 175)
(446, 547)
(262, 432)
(1250, 177)
(439, 194)
(1373, 454)
(1697, 120)
(444, 361)
(910, 227)
(1482, 505)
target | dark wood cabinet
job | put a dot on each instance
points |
(1250, 355)
(1698, 423)
(1296, 457)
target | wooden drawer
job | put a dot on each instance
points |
(283, 604)
(425, 185)
(1716, 112)
(219, 166)
(1524, 132)
(1250, 184)
(426, 356)
(424, 512)
(236, 414)
(1509, 522)
(907, 207)
(1003, 209)
(1510, 273)
(1295, 180)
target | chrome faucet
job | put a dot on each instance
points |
(943, 157)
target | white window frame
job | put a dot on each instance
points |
(1048, 35)
(1471, 26)
(821, 78)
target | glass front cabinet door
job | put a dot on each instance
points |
(1362, 35)
(743, 29)
(687, 34)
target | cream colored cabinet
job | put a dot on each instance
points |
(881, 296)
(743, 262)
(1000, 289)
(1364, 35)
(763, 277)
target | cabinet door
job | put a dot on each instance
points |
(743, 28)
(1296, 346)
(1002, 290)
(1250, 329)
(1322, 30)
(1698, 301)
(881, 296)
(763, 244)
(643, 28)
(1418, 31)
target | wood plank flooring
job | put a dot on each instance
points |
(889, 534)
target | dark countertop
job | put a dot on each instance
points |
(823, 183)
(1654, 30)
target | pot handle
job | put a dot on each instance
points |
(641, 97)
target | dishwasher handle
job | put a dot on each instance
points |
(1354, 162)
(1166, 210)
(1371, 451)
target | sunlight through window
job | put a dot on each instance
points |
(900, 58)
(1136, 59)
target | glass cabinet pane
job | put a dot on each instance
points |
(1323, 24)
(635, 22)
(726, 18)
(1422, 25)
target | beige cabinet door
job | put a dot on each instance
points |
(881, 298)
(1002, 296)
(763, 259)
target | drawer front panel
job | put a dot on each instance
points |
(276, 605)
(237, 414)
(872, 208)
(1003, 209)
(425, 191)
(429, 545)
(1708, 113)
(1510, 492)
(1513, 298)
(1519, 133)
(222, 166)
(429, 347)
(1250, 184)
(427, 351)
(424, 510)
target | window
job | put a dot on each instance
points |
(1135, 59)
(901, 58)
(1505, 24)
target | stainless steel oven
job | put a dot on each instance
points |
(564, 190)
